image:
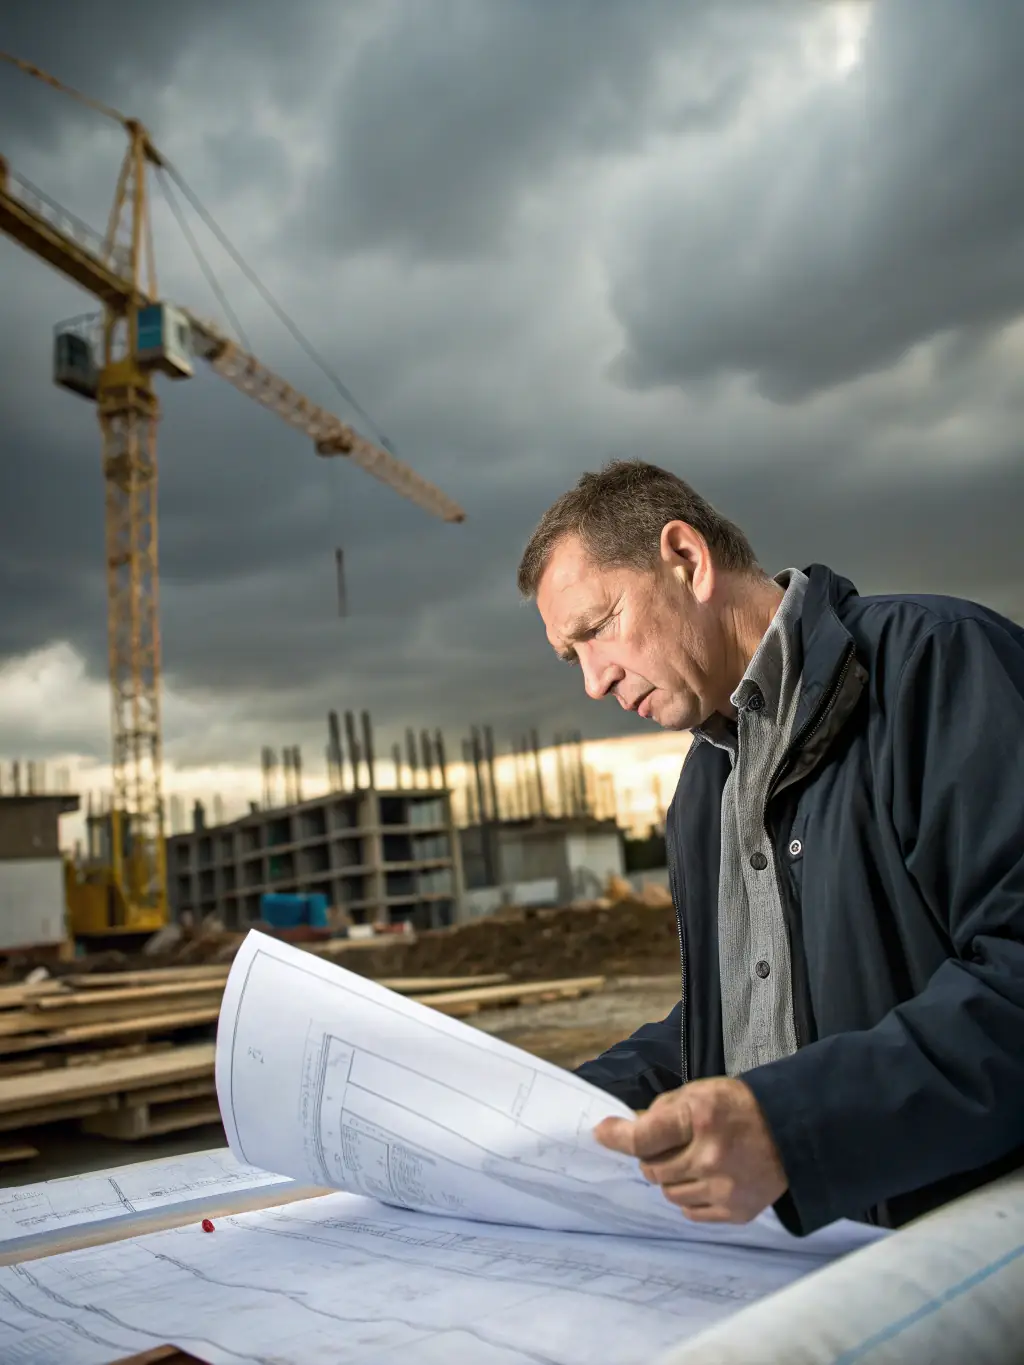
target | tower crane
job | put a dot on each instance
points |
(143, 335)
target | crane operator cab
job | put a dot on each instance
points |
(163, 342)
(74, 364)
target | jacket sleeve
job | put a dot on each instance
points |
(936, 1088)
(642, 1066)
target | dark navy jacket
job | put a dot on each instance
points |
(897, 823)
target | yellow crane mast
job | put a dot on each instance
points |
(141, 335)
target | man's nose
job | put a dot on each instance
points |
(598, 678)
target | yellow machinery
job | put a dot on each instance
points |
(123, 885)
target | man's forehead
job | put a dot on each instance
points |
(568, 564)
(572, 585)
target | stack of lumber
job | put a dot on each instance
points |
(127, 1097)
(113, 1051)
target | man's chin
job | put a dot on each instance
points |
(671, 717)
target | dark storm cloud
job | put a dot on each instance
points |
(450, 113)
(461, 204)
(869, 216)
(123, 53)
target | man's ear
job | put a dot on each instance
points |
(686, 553)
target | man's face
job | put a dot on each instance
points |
(649, 639)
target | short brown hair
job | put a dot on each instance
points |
(619, 515)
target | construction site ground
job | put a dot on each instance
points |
(568, 1032)
(565, 1032)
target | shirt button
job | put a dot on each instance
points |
(796, 848)
(762, 969)
(758, 862)
(756, 702)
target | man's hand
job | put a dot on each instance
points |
(709, 1148)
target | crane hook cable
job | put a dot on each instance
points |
(30, 69)
(203, 263)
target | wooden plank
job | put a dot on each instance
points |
(53, 1004)
(19, 1022)
(55, 1113)
(150, 976)
(422, 985)
(19, 994)
(110, 1054)
(99, 982)
(106, 1078)
(146, 994)
(75, 1239)
(18, 1066)
(86, 1033)
(457, 1002)
(20, 1151)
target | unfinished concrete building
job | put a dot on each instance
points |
(378, 857)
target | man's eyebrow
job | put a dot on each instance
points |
(584, 623)
(576, 629)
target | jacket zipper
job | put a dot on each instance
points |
(810, 729)
(684, 1046)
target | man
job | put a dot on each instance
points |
(846, 856)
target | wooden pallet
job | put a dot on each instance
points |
(158, 1110)
(153, 1085)
(25, 1099)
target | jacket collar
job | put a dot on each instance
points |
(825, 641)
(824, 648)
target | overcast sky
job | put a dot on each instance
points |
(777, 246)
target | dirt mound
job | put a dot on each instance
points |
(625, 933)
(627, 938)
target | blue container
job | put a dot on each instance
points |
(287, 911)
(317, 910)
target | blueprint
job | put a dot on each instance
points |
(335, 1081)
(30, 1214)
(340, 1280)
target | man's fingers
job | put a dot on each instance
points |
(618, 1134)
(671, 1168)
(661, 1132)
(698, 1202)
(714, 1213)
(689, 1194)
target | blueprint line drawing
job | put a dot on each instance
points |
(340, 1279)
(332, 1079)
(30, 1214)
